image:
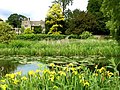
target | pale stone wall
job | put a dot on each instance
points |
(26, 24)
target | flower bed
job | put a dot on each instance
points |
(67, 78)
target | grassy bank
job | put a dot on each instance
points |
(67, 78)
(61, 48)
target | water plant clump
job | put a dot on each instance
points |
(67, 78)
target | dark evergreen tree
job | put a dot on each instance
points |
(15, 20)
(79, 21)
(94, 8)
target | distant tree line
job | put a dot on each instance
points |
(15, 20)
(77, 21)
(101, 18)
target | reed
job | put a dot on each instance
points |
(61, 48)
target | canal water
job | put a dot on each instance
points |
(13, 64)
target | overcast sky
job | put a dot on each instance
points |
(34, 9)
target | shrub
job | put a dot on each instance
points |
(73, 36)
(22, 29)
(39, 37)
(38, 30)
(45, 36)
(28, 31)
(6, 32)
(86, 35)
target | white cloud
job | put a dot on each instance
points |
(35, 9)
(80, 4)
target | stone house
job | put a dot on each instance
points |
(26, 23)
(1, 20)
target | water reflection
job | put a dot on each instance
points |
(7, 67)
(14, 64)
(30, 66)
(25, 64)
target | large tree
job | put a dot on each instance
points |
(54, 20)
(79, 21)
(15, 20)
(64, 4)
(94, 8)
(111, 9)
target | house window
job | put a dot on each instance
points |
(26, 25)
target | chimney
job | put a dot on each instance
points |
(28, 19)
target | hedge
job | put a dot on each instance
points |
(45, 37)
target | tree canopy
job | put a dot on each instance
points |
(55, 19)
(94, 8)
(79, 21)
(64, 4)
(111, 9)
(15, 20)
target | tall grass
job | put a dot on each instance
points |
(61, 48)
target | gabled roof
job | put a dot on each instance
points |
(37, 23)
(1, 19)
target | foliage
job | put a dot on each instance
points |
(6, 32)
(62, 78)
(111, 9)
(45, 37)
(55, 19)
(37, 29)
(94, 8)
(22, 29)
(64, 47)
(64, 4)
(79, 21)
(85, 35)
(15, 20)
(28, 31)
(115, 66)
(68, 14)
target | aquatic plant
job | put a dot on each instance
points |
(68, 78)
